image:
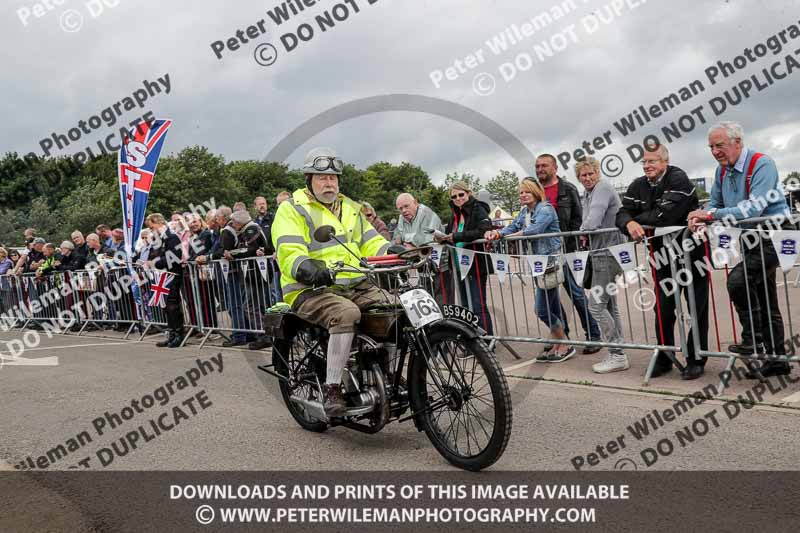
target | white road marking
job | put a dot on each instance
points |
(20, 360)
(70, 346)
(519, 365)
(791, 398)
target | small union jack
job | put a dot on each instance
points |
(159, 289)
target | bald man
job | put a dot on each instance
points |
(417, 222)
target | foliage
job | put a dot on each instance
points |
(472, 181)
(59, 195)
(504, 188)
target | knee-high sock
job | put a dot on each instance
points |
(338, 351)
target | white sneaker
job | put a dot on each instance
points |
(614, 362)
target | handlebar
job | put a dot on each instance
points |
(381, 264)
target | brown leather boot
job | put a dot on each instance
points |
(332, 401)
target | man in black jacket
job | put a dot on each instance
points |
(81, 248)
(166, 255)
(240, 239)
(264, 218)
(70, 260)
(664, 196)
(564, 197)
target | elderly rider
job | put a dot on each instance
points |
(306, 279)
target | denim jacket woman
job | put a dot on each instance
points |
(543, 219)
(538, 218)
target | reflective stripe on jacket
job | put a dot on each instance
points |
(293, 237)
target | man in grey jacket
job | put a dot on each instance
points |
(600, 205)
(417, 222)
(415, 228)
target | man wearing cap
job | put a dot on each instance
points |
(35, 255)
(240, 239)
(306, 280)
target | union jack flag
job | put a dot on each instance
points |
(159, 289)
(138, 159)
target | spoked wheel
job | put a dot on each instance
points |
(306, 364)
(462, 400)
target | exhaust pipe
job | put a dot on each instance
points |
(314, 409)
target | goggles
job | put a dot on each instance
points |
(324, 163)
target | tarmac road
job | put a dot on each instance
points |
(247, 427)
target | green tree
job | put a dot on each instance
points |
(504, 188)
(793, 178)
(384, 182)
(262, 178)
(471, 180)
(193, 177)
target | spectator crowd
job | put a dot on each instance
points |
(553, 218)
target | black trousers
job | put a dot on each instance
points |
(174, 310)
(756, 299)
(667, 294)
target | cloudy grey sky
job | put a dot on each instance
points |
(53, 78)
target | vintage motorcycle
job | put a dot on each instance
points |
(408, 362)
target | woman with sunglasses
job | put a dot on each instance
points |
(470, 221)
(538, 217)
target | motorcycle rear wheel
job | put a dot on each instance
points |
(294, 352)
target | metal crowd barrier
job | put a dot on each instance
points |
(777, 317)
(508, 305)
(230, 298)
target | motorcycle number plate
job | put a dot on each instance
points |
(420, 307)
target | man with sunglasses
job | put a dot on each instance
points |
(306, 280)
(663, 197)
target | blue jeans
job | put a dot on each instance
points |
(277, 295)
(549, 309)
(578, 298)
(234, 296)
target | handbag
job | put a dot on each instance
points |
(553, 276)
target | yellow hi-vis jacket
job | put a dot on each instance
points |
(293, 238)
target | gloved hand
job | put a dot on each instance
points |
(396, 249)
(315, 273)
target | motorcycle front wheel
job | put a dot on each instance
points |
(461, 399)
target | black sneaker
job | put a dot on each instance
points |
(332, 401)
(692, 371)
(233, 343)
(166, 342)
(561, 357)
(544, 356)
(747, 348)
(260, 343)
(770, 368)
(589, 350)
